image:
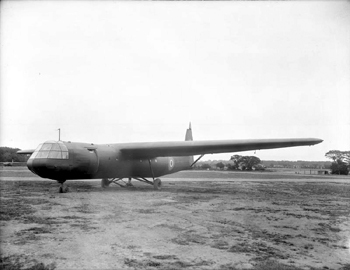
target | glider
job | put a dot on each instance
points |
(65, 160)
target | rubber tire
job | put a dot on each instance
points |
(157, 183)
(105, 182)
(63, 189)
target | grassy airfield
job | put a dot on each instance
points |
(199, 220)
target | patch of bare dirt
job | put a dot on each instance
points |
(192, 225)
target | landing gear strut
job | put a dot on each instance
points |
(63, 188)
(156, 183)
(128, 184)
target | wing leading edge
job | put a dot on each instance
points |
(189, 148)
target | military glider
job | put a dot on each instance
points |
(65, 160)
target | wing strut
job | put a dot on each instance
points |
(150, 165)
(196, 160)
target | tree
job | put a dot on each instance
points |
(245, 163)
(8, 154)
(206, 166)
(220, 165)
(236, 160)
(231, 167)
(341, 161)
(339, 167)
(259, 167)
(334, 155)
(248, 162)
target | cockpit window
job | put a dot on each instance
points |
(42, 154)
(55, 154)
(46, 147)
(55, 147)
(52, 150)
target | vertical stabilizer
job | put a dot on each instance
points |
(188, 136)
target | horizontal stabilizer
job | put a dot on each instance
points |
(26, 152)
(188, 148)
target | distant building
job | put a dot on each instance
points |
(278, 166)
(323, 172)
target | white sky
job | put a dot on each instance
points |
(109, 72)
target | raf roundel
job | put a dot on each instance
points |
(171, 164)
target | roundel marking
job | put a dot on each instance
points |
(171, 164)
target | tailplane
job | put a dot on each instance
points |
(188, 136)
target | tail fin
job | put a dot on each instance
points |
(188, 136)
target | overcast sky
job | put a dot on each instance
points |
(109, 72)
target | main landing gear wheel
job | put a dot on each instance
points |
(157, 183)
(105, 182)
(129, 184)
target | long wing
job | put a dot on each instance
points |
(189, 148)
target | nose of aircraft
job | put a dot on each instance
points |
(38, 166)
(49, 168)
(50, 160)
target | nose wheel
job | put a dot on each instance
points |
(63, 188)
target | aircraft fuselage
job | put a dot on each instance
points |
(71, 160)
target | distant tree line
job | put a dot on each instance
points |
(340, 164)
(237, 162)
(341, 161)
(8, 154)
(299, 164)
(247, 163)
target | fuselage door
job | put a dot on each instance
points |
(93, 160)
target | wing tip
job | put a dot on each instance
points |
(316, 141)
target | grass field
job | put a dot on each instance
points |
(199, 220)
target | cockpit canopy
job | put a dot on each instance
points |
(51, 149)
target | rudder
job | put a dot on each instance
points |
(188, 136)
